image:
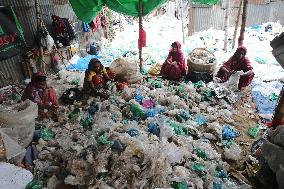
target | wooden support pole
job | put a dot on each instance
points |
(140, 28)
(182, 23)
(120, 23)
(190, 18)
(237, 23)
(226, 25)
(39, 24)
(243, 26)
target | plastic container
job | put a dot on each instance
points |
(93, 49)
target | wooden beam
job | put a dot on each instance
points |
(182, 23)
(226, 25)
(237, 23)
(140, 28)
(190, 18)
(39, 25)
(243, 26)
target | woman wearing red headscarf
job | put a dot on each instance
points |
(96, 77)
(238, 62)
(174, 67)
(45, 96)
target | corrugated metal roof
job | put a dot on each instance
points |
(12, 70)
(25, 10)
(207, 17)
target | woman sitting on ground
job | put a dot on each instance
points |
(96, 77)
(174, 67)
(45, 96)
(238, 62)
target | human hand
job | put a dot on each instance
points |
(217, 80)
(169, 60)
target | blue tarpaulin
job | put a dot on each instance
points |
(261, 93)
(82, 63)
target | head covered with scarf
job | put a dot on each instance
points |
(176, 55)
(95, 65)
(240, 53)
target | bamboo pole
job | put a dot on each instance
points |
(182, 23)
(120, 23)
(226, 26)
(243, 26)
(140, 28)
(190, 19)
(39, 24)
(237, 23)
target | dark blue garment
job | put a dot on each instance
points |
(31, 155)
(86, 27)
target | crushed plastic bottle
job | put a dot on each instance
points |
(207, 94)
(74, 115)
(125, 122)
(198, 84)
(133, 132)
(273, 97)
(75, 81)
(217, 185)
(254, 131)
(103, 139)
(199, 168)
(16, 97)
(144, 71)
(156, 83)
(151, 112)
(154, 129)
(87, 121)
(93, 109)
(179, 185)
(47, 134)
(148, 104)
(181, 88)
(178, 129)
(228, 133)
(220, 173)
(137, 111)
(34, 184)
(200, 119)
(202, 154)
(138, 97)
(184, 114)
(117, 145)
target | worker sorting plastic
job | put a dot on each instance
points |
(238, 62)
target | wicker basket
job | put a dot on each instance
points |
(205, 67)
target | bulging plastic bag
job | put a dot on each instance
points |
(19, 122)
(13, 151)
(233, 82)
(126, 70)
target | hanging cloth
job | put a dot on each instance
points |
(142, 39)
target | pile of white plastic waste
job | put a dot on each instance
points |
(154, 134)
